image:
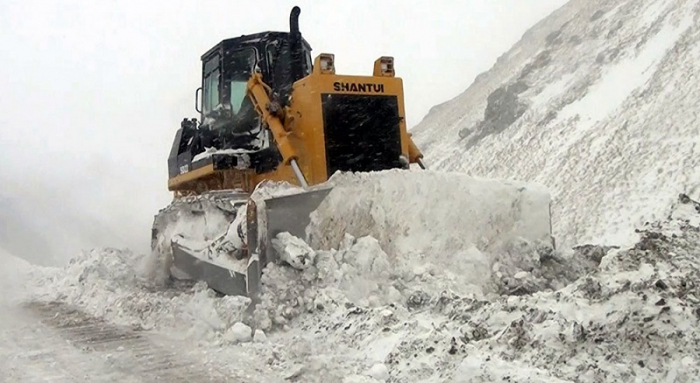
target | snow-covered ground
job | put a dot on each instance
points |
(355, 314)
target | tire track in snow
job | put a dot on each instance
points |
(55, 342)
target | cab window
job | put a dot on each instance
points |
(212, 79)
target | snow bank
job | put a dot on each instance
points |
(631, 314)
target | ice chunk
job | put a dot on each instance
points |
(239, 333)
(293, 250)
(379, 371)
(259, 336)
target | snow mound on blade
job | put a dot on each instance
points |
(270, 189)
(429, 212)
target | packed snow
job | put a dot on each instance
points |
(211, 227)
(209, 235)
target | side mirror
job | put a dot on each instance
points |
(197, 103)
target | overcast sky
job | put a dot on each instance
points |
(93, 91)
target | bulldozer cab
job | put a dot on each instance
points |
(253, 130)
(227, 67)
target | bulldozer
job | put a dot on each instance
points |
(271, 114)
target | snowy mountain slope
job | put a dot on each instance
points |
(598, 102)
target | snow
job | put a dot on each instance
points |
(208, 152)
(620, 80)
(259, 336)
(239, 333)
(411, 213)
(609, 127)
(379, 372)
(654, 11)
(551, 91)
(211, 236)
(355, 313)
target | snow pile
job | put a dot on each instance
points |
(597, 103)
(396, 236)
(420, 235)
(632, 315)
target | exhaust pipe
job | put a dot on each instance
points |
(294, 20)
(295, 47)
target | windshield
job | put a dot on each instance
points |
(240, 65)
(237, 95)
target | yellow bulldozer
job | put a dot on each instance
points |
(269, 112)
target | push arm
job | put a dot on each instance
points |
(257, 91)
(414, 154)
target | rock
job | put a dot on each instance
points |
(417, 300)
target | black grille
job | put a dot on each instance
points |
(362, 132)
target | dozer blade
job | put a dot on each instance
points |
(219, 278)
(264, 220)
(290, 213)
